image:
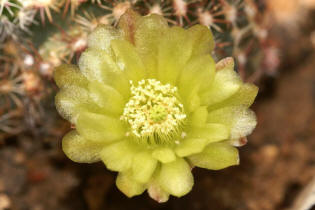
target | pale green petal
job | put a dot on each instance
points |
(97, 65)
(173, 53)
(69, 75)
(190, 146)
(191, 100)
(143, 166)
(199, 71)
(118, 156)
(101, 37)
(128, 186)
(245, 96)
(199, 137)
(176, 178)
(72, 101)
(202, 38)
(79, 149)
(240, 120)
(119, 81)
(225, 63)
(199, 116)
(197, 75)
(226, 83)
(155, 191)
(69, 102)
(107, 97)
(93, 63)
(164, 154)
(128, 60)
(213, 132)
(216, 156)
(98, 127)
(147, 39)
(127, 23)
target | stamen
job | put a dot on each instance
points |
(154, 112)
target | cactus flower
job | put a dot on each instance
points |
(149, 101)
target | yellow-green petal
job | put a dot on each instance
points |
(69, 75)
(119, 156)
(176, 178)
(213, 132)
(98, 127)
(155, 190)
(173, 53)
(225, 63)
(216, 156)
(226, 83)
(128, 186)
(199, 71)
(148, 32)
(245, 96)
(197, 75)
(95, 63)
(128, 60)
(79, 149)
(127, 23)
(203, 42)
(70, 101)
(191, 100)
(101, 37)
(164, 154)
(143, 166)
(190, 146)
(118, 81)
(107, 97)
(240, 120)
(199, 116)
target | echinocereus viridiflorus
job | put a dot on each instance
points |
(149, 101)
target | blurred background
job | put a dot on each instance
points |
(273, 44)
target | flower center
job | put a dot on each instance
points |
(157, 113)
(154, 112)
